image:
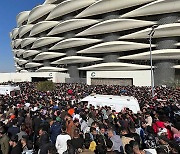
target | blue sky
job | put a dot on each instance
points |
(8, 12)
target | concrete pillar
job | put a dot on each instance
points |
(71, 52)
(164, 72)
(46, 63)
(111, 58)
(73, 71)
(30, 59)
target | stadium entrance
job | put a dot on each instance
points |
(111, 81)
(39, 79)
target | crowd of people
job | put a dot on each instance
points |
(56, 122)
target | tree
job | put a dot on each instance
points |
(45, 86)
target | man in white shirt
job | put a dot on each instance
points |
(61, 141)
(148, 119)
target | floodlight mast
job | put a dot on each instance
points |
(151, 34)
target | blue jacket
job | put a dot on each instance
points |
(55, 130)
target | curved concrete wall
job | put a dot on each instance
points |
(92, 32)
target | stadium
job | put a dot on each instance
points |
(107, 37)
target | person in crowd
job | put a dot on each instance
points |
(77, 141)
(4, 141)
(61, 141)
(44, 116)
(43, 141)
(125, 139)
(55, 129)
(52, 150)
(14, 129)
(86, 149)
(135, 147)
(22, 132)
(148, 119)
(128, 149)
(27, 145)
(16, 148)
(116, 140)
(100, 147)
(70, 125)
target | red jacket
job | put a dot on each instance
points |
(160, 124)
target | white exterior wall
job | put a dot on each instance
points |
(21, 77)
(140, 78)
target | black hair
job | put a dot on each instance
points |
(92, 129)
(83, 116)
(86, 144)
(87, 137)
(63, 128)
(30, 145)
(128, 149)
(100, 149)
(76, 120)
(14, 138)
(2, 130)
(14, 121)
(25, 137)
(101, 126)
(133, 143)
(52, 149)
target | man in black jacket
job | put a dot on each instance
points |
(16, 148)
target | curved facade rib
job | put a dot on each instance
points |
(74, 36)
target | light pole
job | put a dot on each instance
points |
(151, 33)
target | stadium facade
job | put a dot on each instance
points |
(75, 36)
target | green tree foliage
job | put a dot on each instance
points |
(45, 86)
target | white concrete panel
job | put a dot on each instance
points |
(15, 33)
(18, 68)
(27, 77)
(167, 30)
(114, 46)
(23, 71)
(135, 75)
(103, 6)
(68, 6)
(26, 41)
(19, 52)
(12, 44)
(114, 25)
(22, 17)
(156, 55)
(178, 44)
(71, 24)
(17, 42)
(24, 29)
(157, 7)
(177, 67)
(33, 64)
(43, 41)
(48, 55)
(42, 26)
(29, 53)
(39, 11)
(16, 59)
(50, 1)
(114, 66)
(76, 59)
(22, 61)
(74, 42)
(51, 69)
(10, 34)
